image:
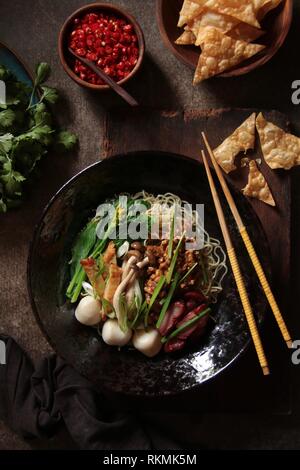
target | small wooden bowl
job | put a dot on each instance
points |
(276, 26)
(65, 57)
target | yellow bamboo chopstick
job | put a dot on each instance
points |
(250, 248)
(237, 273)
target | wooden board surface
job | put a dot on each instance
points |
(241, 388)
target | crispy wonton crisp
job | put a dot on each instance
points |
(245, 32)
(243, 10)
(280, 149)
(187, 38)
(257, 185)
(210, 18)
(220, 53)
(188, 12)
(242, 139)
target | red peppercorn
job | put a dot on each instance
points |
(116, 35)
(133, 60)
(121, 65)
(94, 27)
(80, 52)
(87, 29)
(126, 38)
(91, 56)
(90, 40)
(80, 34)
(100, 51)
(108, 41)
(127, 28)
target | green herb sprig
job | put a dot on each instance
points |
(27, 132)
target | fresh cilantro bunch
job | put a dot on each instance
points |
(27, 132)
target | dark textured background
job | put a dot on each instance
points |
(31, 27)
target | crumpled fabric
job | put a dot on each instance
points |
(36, 401)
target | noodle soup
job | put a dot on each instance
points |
(146, 273)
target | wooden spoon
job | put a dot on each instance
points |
(110, 82)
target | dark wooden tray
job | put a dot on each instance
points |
(241, 388)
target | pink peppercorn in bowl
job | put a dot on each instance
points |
(106, 35)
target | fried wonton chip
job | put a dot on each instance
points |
(242, 139)
(257, 185)
(262, 7)
(245, 32)
(280, 149)
(220, 53)
(210, 18)
(187, 38)
(188, 12)
(243, 10)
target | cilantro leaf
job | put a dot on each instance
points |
(7, 118)
(42, 73)
(4, 73)
(12, 179)
(49, 94)
(65, 140)
(3, 207)
(26, 155)
(17, 93)
(6, 143)
(41, 116)
(41, 133)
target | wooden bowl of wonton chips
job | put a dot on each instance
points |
(275, 22)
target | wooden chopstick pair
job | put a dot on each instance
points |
(234, 262)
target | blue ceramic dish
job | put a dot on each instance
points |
(9, 59)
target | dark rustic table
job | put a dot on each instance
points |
(31, 28)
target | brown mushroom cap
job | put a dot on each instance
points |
(137, 245)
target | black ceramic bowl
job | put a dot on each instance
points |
(128, 371)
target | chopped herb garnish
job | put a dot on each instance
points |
(139, 314)
(168, 300)
(170, 245)
(155, 294)
(187, 274)
(174, 259)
